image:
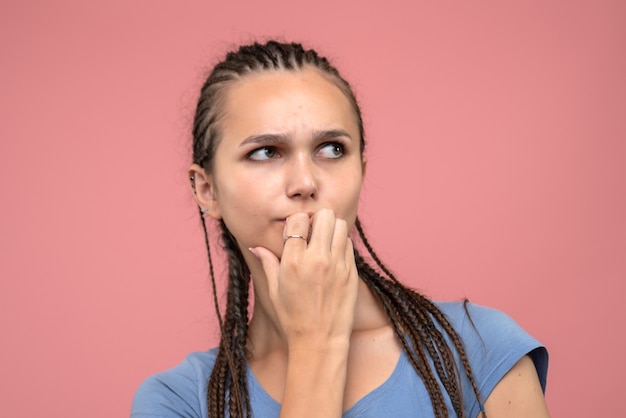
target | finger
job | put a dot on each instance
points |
(351, 262)
(271, 266)
(339, 238)
(349, 253)
(296, 232)
(322, 227)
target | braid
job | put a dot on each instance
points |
(413, 317)
(229, 378)
(213, 287)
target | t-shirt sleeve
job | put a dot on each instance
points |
(172, 393)
(494, 343)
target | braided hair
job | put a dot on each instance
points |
(427, 337)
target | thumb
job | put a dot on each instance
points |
(271, 266)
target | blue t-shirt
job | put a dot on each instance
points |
(493, 341)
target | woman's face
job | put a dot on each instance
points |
(290, 143)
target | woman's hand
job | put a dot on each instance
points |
(313, 287)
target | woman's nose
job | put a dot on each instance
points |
(301, 178)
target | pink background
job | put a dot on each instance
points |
(497, 146)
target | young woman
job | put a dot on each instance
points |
(278, 162)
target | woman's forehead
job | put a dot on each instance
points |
(280, 101)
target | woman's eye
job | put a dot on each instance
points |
(265, 153)
(332, 150)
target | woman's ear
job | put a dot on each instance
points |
(363, 165)
(204, 191)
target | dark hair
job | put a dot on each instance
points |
(413, 315)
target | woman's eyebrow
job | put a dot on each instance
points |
(265, 139)
(268, 139)
(330, 134)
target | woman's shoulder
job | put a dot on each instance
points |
(181, 389)
(494, 342)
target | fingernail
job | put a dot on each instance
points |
(255, 252)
